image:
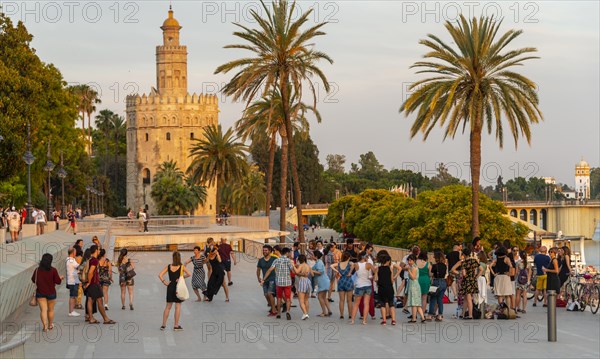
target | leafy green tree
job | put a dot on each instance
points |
(33, 92)
(443, 177)
(335, 163)
(436, 219)
(217, 158)
(249, 194)
(283, 57)
(310, 169)
(172, 193)
(595, 183)
(473, 87)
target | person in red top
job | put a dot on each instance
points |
(94, 290)
(226, 257)
(45, 278)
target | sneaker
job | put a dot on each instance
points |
(288, 316)
(74, 314)
(178, 328)
(271, 314)
(304, 316)
(106, 307)
(534, 304)
(162, 327)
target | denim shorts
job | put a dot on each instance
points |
(73, 290)
(359, 292)
(48, 297)
(269, 287)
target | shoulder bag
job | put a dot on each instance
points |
(181, 290)
(33, 300)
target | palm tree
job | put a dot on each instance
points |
(473, 87)
(217, 158)
(249, 194)
(283, 57)
(79, 92)
(172, 192)
(264, 118)
(105, 125)
(118, 127)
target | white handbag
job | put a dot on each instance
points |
(181, 290)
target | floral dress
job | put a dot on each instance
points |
(414, 290)
(469, 281)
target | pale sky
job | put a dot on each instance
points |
(111, 45)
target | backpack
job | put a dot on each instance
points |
(522, 279)
(82, 272)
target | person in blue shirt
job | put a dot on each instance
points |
(296, 249)
(541, 260)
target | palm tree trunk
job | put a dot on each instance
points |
(90, 132)
(270, 173)
(292, 150)
(283, 186)
(117, 161)
(218, 199)
(475, 153)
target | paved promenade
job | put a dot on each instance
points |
(241, 328)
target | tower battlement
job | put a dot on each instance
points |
(156, 98)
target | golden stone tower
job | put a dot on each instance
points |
(162, 125)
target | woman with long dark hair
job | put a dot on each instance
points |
(438, 273)
(46, 278)
(303, 286)
(105, 273)
(217, 276)
(564, 262)
(124, 264)
(343, 271)
(523, 280)
(552, 271)
(175, 274)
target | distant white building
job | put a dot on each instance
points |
(582, 180)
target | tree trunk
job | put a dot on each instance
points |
(283, 87)
(270, 173)
(90, 132)
(475, 144)
(283, 187)
(117, 162)
(218, 199)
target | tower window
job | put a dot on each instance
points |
(168, 136)
(146, 137)
(146, 174)
(191, 136)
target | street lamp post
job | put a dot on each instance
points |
(88, 189)
(101, 194)
(49, 167)
(29, 158)
(62, 174)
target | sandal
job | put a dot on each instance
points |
(412, 321)
(110, 322)
(94, 322)
(51, 327)
(383, 322)
(393, 322)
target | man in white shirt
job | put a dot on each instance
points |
(14, 223)
(72, 281)
(40, 221)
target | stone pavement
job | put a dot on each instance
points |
(241, 328)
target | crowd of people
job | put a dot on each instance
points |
(419, 284)
(13, 220)
(365, 280)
